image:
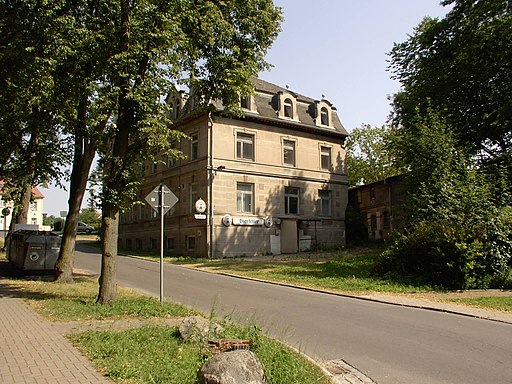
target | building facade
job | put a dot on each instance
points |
(379, 203)
(35, 211)
(273, 180)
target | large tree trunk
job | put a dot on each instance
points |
(108, 278)
(24, 205)
(113, 173)
(85, 148)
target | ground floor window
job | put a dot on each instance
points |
(191, 243)
(325, 203)
(291, 200)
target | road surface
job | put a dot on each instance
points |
(390, 344)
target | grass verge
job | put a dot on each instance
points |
(489, 302)
(156, 355)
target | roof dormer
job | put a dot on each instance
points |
(323, 113)
(287, 106)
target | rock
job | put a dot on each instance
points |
(235, 367)
(197, 328)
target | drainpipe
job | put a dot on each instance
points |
(209, 228)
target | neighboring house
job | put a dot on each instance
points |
(379, 203)
(35, 211)
(274, 180)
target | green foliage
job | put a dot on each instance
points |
(367, 157)
(458, 237)
(90, 216)
(356, 226)
(460, 67)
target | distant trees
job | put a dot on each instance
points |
(368, 159)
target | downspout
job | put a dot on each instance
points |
(210, 186)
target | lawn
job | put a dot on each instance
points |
(343, 272)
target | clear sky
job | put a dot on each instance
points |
(336, 48)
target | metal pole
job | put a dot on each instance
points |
(162, 205)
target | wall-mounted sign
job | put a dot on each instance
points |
(200, 206)
(268, 221)
(227, 220)
(247, 221)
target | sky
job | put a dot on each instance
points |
(336, 48)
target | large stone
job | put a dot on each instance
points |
(235, 367)
(196, 328)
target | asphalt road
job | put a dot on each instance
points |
(388, 343)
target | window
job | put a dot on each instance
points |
(154, 244)
(193, 146)
(385, 220)
(324, 116)
(291, 200)
(191, 243)
(289, 152)
(170, 243)
(373, 222)
(288, 108)
(325, 157)
(372, 193)
(244, 146)
(245, 102)
(2, 203)
(33, 221)
(193, 197)
(325, 203)
(154, 167)
(33, 206)
(244, 197)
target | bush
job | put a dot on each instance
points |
(454, 254)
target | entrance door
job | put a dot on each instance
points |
(289, 236)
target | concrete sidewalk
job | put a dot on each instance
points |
(33, 352)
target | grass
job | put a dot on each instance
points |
(345, 272)
(489, 302)
(148, 353)
(156, 355)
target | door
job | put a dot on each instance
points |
(289, 236)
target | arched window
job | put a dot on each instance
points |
(324, 116)
(288, 108)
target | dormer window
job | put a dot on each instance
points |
(245, 102)
(324, 116)
(288, 108)
(323, 113)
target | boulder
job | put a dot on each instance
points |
(235, 367)
(196, 328)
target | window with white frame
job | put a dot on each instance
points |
(245, 102)
(33, 206)
(324, 198)
(244, 146)
(289, 152)
(291, 200)
(325, 157)
(244, 197)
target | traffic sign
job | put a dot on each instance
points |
(169, 198)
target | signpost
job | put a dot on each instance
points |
(157, 200)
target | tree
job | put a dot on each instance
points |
(457, 236)
(215, 45)
(30, 111)
(459, 66)
(367, 158)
